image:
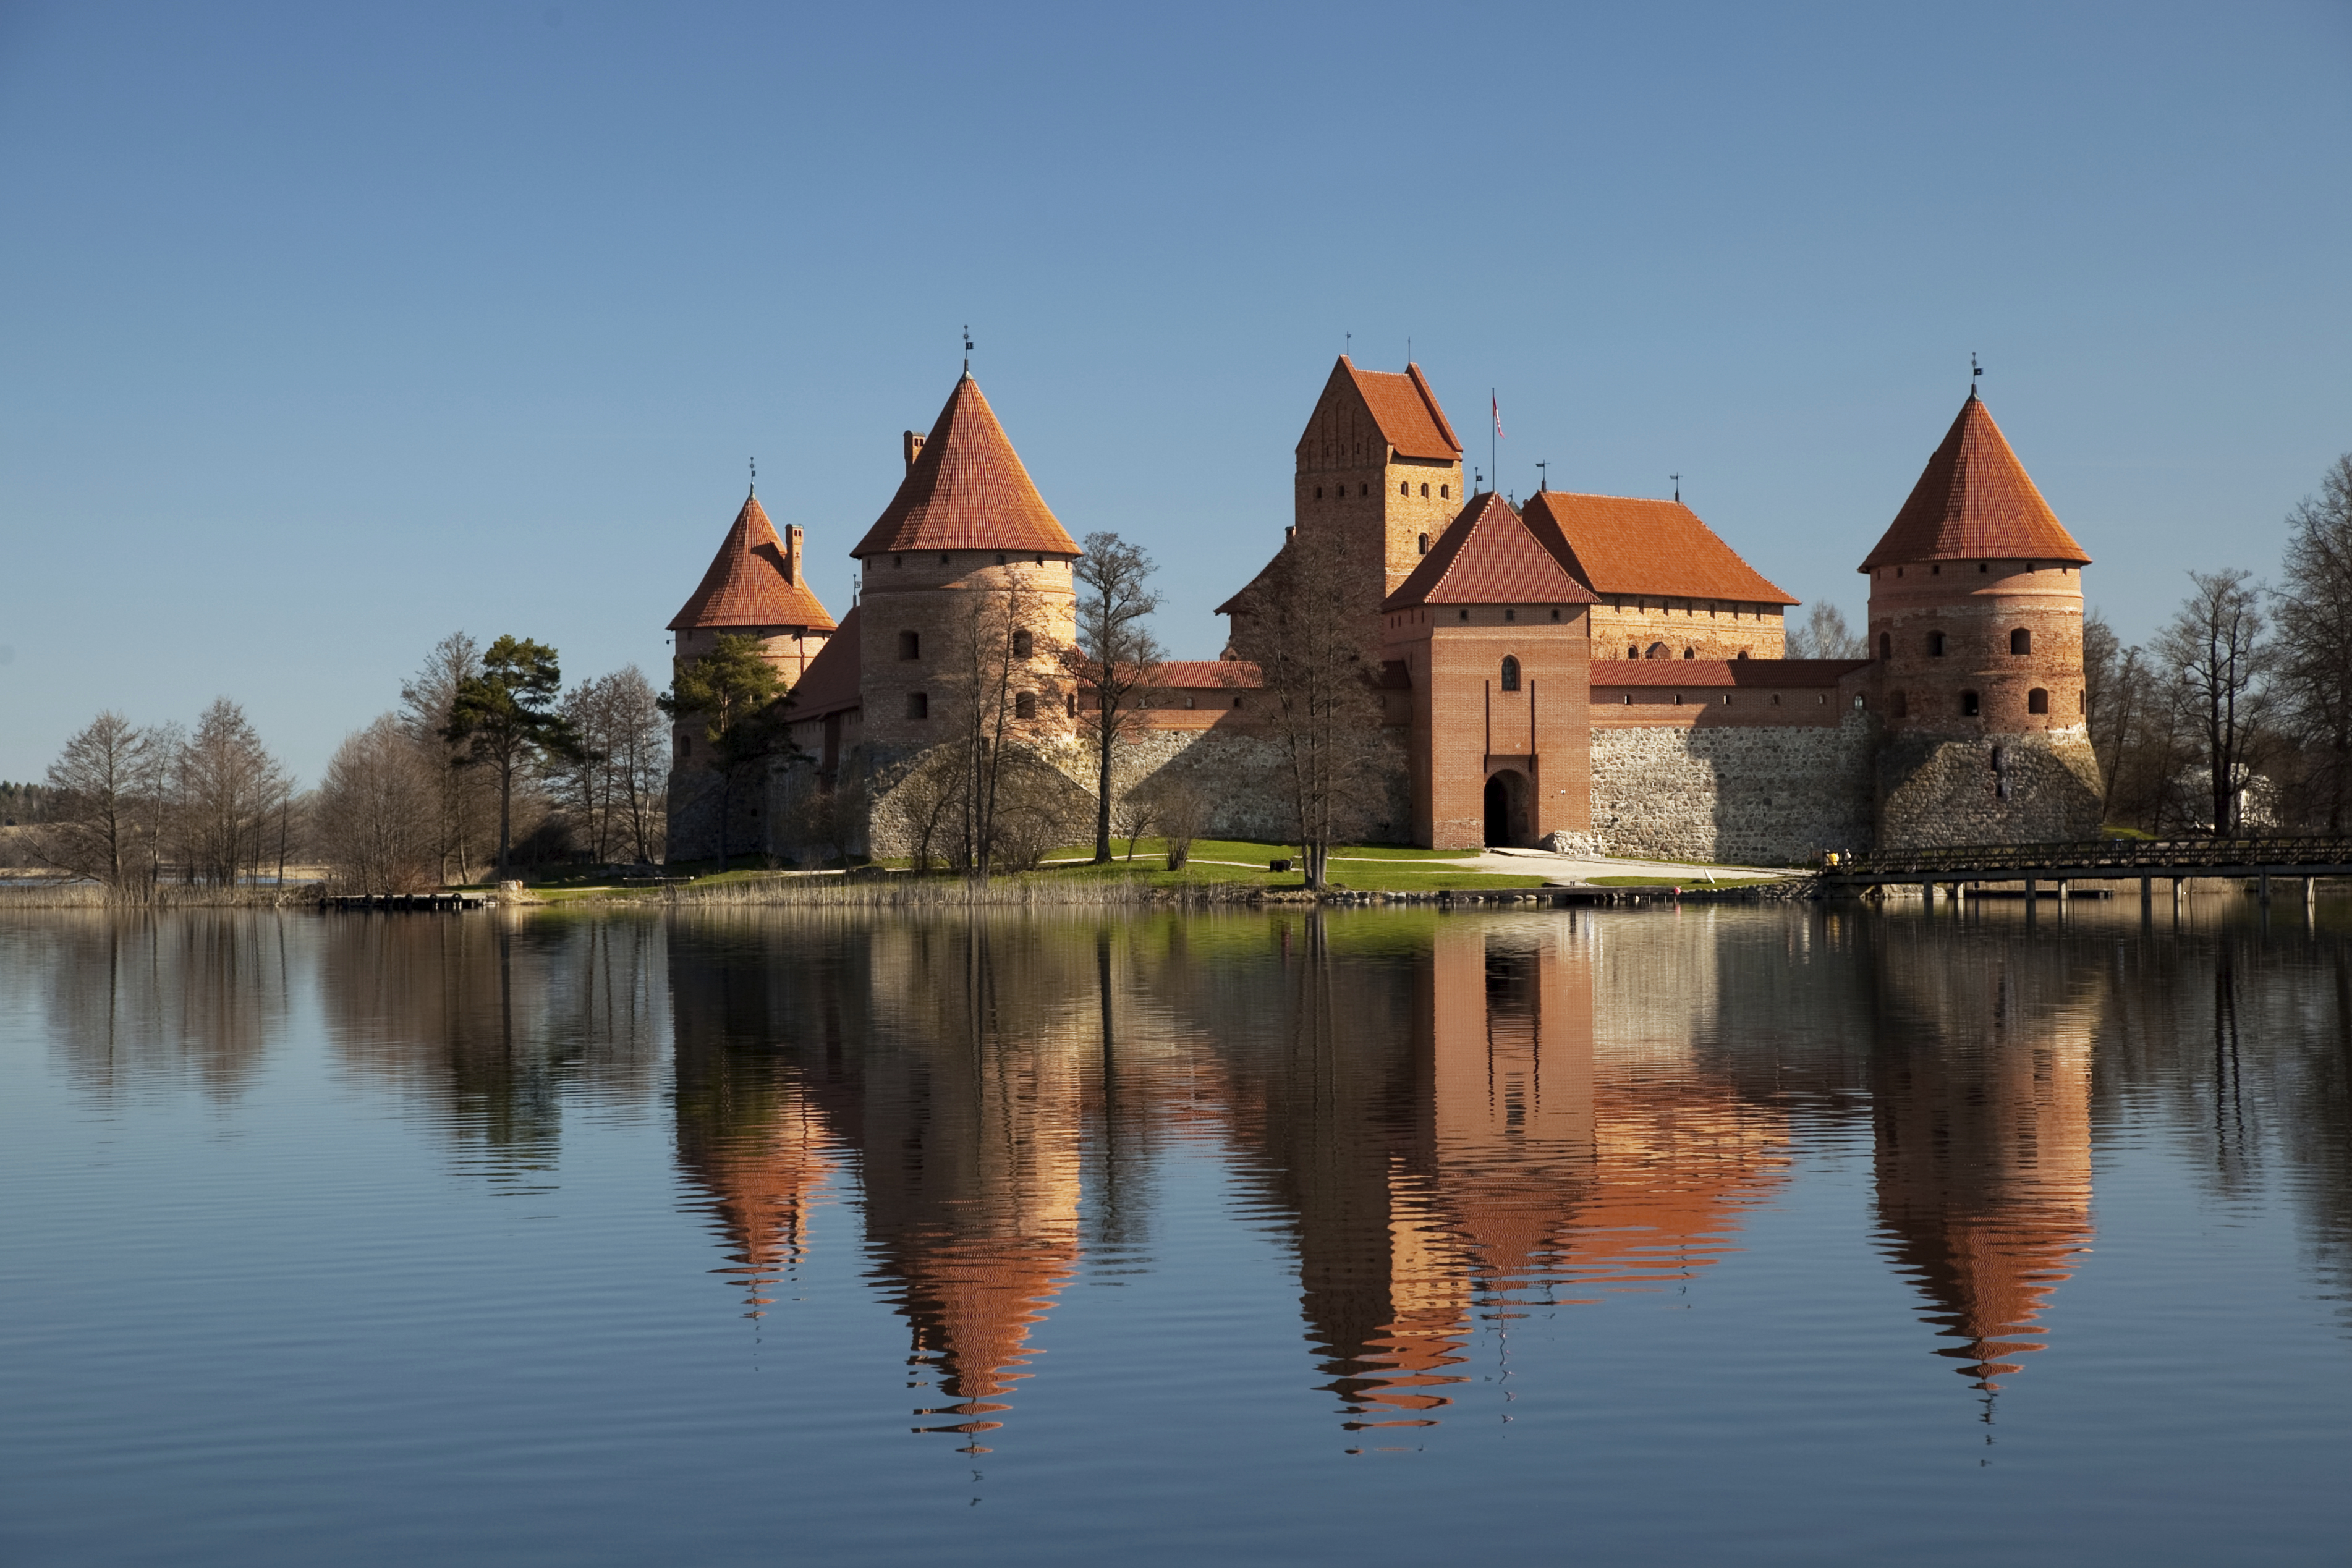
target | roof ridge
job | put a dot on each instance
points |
(1974, 500)
(967, 489)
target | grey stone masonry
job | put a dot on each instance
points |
(1753, 794)
(1993, 790)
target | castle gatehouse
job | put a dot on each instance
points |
(1595, 673)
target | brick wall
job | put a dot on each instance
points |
(1711, 629)
(1467, 728)
(1976, 607)
(922, 593)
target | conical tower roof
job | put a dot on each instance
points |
(1975, 502)
(967, 490)
(752, 581)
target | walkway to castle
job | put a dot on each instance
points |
(2147, 861)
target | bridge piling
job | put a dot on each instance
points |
(2262, 888)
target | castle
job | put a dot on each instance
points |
(1591, 672)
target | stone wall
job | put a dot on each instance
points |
(1993, 789)
(1772, 796)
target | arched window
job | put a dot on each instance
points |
(1024, 705)
(1510, 672)
(1424, 544)
(1885, 647)
(1934, 645)
(1024, 646)
(1633, 653)
(910, 645)
(1690, 652)
(1741, 655)
(1901, 705)
(1424, 492)
(1445, 492)
(1969, 705)
(2037, 701)
(2021, 642)
(919, 705)
(1404, 487)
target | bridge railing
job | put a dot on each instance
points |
(2121, 857)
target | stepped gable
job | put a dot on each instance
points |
(1406, 411)
(752, 581)
(831, 682)
(967, 490)
(1622, 545)
(1487, 556)
(1975, 502)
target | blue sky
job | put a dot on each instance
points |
(326, 330)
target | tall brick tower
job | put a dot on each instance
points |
(1380, 465)
(754, 587)
(967, 519)
(1976, 623)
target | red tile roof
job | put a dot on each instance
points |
(831, 682)
(967, 491)
(1697, 673)
(1239, 603)
(749, 582)
(1486, 556)
(1618, 544)
(1182, 674)
(1406, 411)
(1975, 502)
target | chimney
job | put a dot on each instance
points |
(1288, 534)
(914, 448)
(792, 553)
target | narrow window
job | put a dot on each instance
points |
(1319, 492)
(1690, 652)
(919, 705)
(1555, 614)
(910, 645)
(1424, 492)
(1983, 566)
(1024, 705)
(1000, 558)
(1445, 492)
(1024, 646)
(1363, 489)
(1424, 544)
(1934, 645)
(1510, 615)
(1726, 699)
(2080, 700)
(685, 745)
(1466, 616)
(943, 557)
(1238, 702)
(1969, 705)
(1405, 488)
(1885, 647)
(1629, 699)
(2037, 701)
(1935, 570)
(897, 561)
(1633, 653)
(2020, 641)
(1187, 702)
(1510, 672)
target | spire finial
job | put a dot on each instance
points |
(1678, 488)
(967, 348)
(1346, 344)
(755, 475)
(1975, 369)
(1543, 480)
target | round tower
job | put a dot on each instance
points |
(967, 575)
(1976, 628)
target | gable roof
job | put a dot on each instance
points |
(749, 582)
(1402, 407)
(1486, 556)
(832, 682)
(967, 490)
(1974, 501)
(1621, 544)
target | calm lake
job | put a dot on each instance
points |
(1794, 1234)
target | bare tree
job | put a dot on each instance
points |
(1114, 659)
(104, 786)
(378, 811)
(638, 736)
(468, 799)
(583, 775)
(1825, 635)
(997, 644)
(230, 792)
(1308, 636)
(2315, 645)
(2215, 653)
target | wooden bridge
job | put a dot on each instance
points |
(2304, 859)
(405, 903)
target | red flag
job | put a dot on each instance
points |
(1497, 408)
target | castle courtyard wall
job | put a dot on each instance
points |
(1756, 793)
(1987, 789)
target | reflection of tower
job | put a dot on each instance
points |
(1982, 1089)
(757, 1147)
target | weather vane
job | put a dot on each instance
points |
(1678, 488)
(1542, 479)
(755, 475)
(1975, 369)
(967, 348)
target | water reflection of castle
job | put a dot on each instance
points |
(1506, 1117)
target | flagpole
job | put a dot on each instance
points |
(1494, 407)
